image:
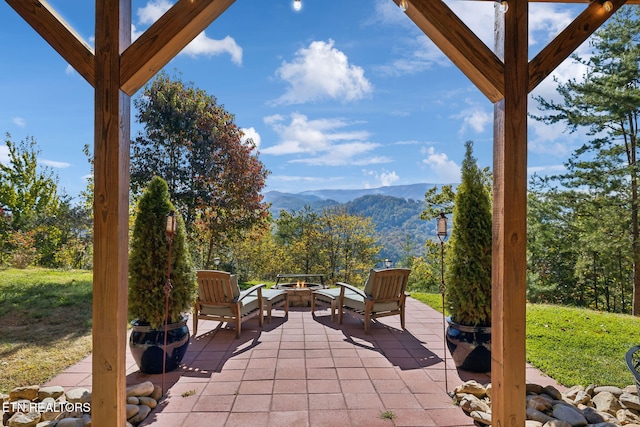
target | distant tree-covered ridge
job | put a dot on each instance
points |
(396, 219)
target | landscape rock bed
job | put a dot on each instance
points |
(36, 406)
(594, 406)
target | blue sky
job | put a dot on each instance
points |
(342, 94)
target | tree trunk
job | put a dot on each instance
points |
(634, 227)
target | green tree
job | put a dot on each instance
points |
(214, 178)
(552, 243)
(29, 197)
(148, 261)
(468, 257)
(299, 233)
(607, 102)
(349, 244)
(27, 189)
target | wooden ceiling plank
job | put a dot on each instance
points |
(165, 39)
(60, 35)
(565, 43)
(460, 44)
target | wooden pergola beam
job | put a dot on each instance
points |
(165, 39)
(460, 44)
(61, 36)
(508, 295)
(110, 216)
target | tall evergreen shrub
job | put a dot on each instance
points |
(468, 256)
(148, 261)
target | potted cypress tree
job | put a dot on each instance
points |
(468, 273)
(148, 268)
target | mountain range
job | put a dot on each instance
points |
(319, 199)
(394, 210)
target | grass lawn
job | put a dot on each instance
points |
(45, 326)
(574, 345)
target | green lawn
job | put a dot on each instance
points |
(574, 345)
(45, 324)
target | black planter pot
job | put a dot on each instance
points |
(147, 346)
(470, 346)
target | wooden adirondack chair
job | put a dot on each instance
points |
(383, 295)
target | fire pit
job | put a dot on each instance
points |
(300, 290)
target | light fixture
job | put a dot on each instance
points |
(403, 5)
(216, 261)
(441, 231)
(608, 6)
(297, 5)
(503, 6)
(442, 226)
(171, 224)
(387, 263)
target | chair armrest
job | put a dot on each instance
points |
(633, 367)
(250, 291)
(352, 288)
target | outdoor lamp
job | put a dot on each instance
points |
(608, 6)
(172, 223)
(387, 263)
(442, 226)
(504, 6)
(297, 5)
(441, 230)
(403, 4)
(216, 261)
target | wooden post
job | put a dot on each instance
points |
(111, 213)
(508, 369)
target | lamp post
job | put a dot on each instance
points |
(387, 263)
(441, 230)
(171, 225)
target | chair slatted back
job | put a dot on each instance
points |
(214, 287)
(390, 284)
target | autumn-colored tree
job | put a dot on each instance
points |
(214, 177)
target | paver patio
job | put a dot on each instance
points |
(309, 371)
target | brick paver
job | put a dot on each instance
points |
(309, 371)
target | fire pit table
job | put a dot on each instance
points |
(300, 290)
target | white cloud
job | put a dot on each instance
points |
(445, 170)
(321, 71)
(251, 133)
(382, 179)
(19, 121)
(546, 20)
(546, 170)
(153, 11)
(201, 45)
(325, 141)
(54, 163)
(302, 135)
(389, 14)
(419, 54)
(474, 118)
(388, 178)
(346, 154)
